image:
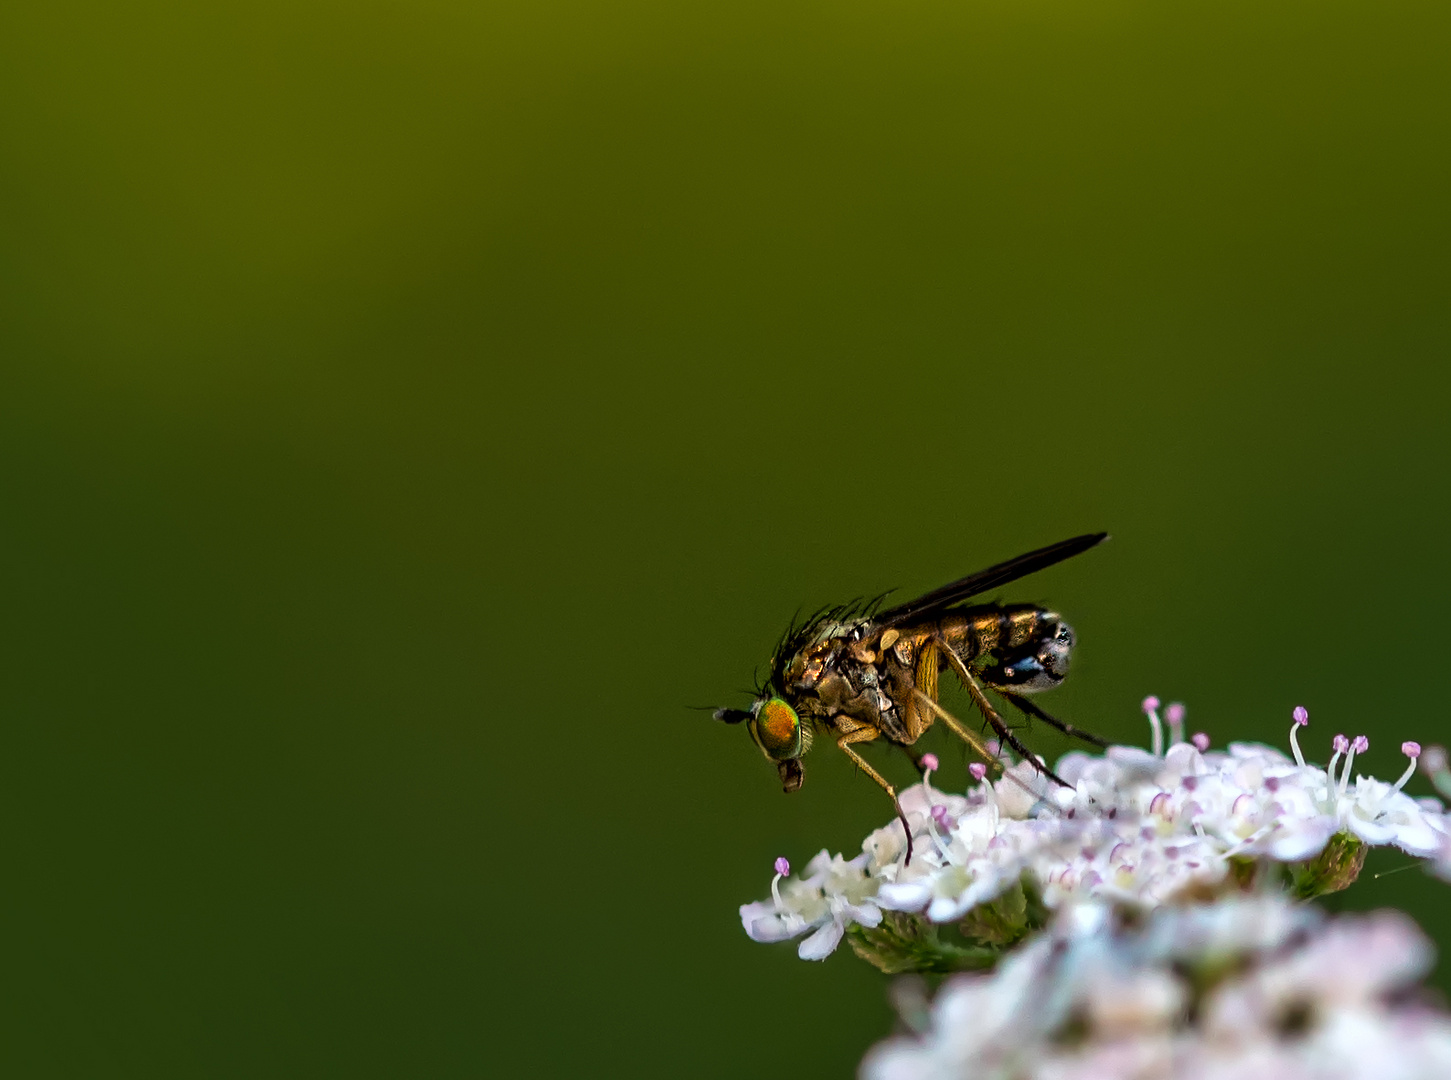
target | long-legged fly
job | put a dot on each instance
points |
(860, 673)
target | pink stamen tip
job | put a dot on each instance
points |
(978, 770)
(939, 815)
(1340, 744)
(929, 762)
(1301, 715)
(1412, 750)
(1174, 713)
(1151, 703)
(1361, 744)
(1200, 741)
(782, 866)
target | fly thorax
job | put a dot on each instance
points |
(835, 692)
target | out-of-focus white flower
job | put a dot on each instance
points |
(1251, 988)
(1134, 827)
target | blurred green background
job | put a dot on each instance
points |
(408, 410)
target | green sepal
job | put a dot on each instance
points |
(1008, 919)
(903, 942)
(1333, 869)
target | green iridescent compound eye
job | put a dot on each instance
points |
(778, 730)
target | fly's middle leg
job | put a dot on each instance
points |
(958, 728)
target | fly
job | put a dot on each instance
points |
(857, 673)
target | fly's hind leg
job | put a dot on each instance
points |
(866, 733)
(979, 697)
(1030, 709)
(958, 728)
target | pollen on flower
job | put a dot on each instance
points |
(1200, 741)
(782, 866)
(977, 770)
(1301, 715)
(929, 762)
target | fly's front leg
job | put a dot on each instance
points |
(979, 697)
(858, 733)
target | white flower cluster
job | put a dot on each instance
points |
(1251, 987)
(1135, 826)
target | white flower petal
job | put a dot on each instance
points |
(947, 908)
(1134, 761)
(772, 927)
(905, 896)
(866, 914)
(1372, 832)
(1417, 838)
(821, 944)
(1300, 840)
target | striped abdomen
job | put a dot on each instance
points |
(1021, 648)
(988, 629)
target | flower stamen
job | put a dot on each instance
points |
(929, 765)
(1302, 718)
(1412, 750)
(1359, 746)
(782, 869)
(978, 771)
(1174, 714)
(1151, 709)
(1340, 744)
